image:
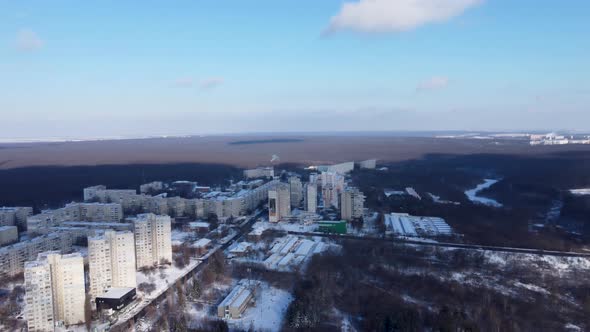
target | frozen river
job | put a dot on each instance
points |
(472, 194)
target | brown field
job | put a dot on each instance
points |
(216, 149)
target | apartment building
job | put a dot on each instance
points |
(296, 191)
(279, 202)
(351, 204)
(311, 197)
(15, 216)
(13, 257)
(111, 262)
(93, 212)
(152, 239)
(54, 291)
(8, 235)
(259, 172)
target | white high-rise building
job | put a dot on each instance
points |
(152, 240)
(351, 204)
(311, 197)
(296, 191)
(54, 291)
(111, 262)
(279, 202)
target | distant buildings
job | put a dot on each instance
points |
(279, 202)
(54, 291)
(332, 185)
(15, 216)
(351, 204)
(13, 257)
(403, 224)
(555, 139)
(224, 205)
(368, 164)
(8, 235)
(152, 240)
(151, 187)
(93, 212)
(311, 197)
(111, 262)
(296, 191)
(259, 172)
(341, 168)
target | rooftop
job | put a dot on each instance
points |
(116, 293)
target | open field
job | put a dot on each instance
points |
(231, 150)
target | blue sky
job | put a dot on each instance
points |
(114, 68)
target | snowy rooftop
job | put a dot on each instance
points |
(201, 243)
(116, 293)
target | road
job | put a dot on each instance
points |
(139, 310)
(449, 245)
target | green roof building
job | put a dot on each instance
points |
(334, 227)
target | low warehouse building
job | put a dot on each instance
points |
(334, 227)
(115, 298)
(235, 303)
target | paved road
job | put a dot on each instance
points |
(450, 245)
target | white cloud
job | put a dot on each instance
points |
(396, 15)
(27, 40)
(210, 82)
(433, 83)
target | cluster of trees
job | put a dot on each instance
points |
(10, 307)
(528, 189)
(370, 284)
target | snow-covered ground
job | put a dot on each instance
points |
(437, 199)
(295, 227)
(268, 312)
(391, 192)
(472, 194)
(170, 274)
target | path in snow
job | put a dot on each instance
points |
(472, 194)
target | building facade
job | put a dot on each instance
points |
(54, 291)
(111, 262)
(152, 240)
(279, 202)
(351, 204)
(13, 257)
(311, 197)
(295, 191)
(8, 235)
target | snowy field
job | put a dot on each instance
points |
(267, 313)
(437, 199)
(472, 194)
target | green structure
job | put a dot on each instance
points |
(335, 227)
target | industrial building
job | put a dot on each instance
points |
(403, 224)
(235, 302)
